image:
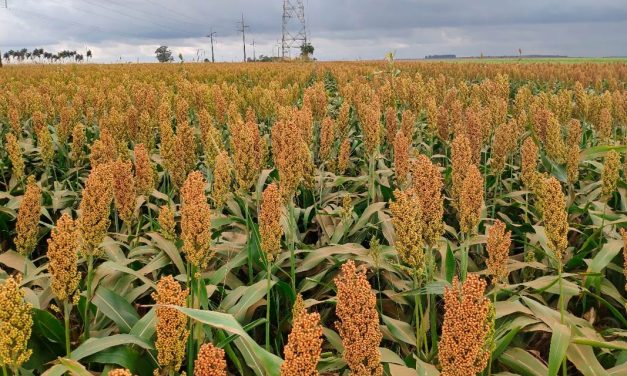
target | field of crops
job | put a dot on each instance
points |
(374, 218)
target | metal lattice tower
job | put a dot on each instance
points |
(294, 26)
(3, 4)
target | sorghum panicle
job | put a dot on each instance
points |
(468, 328)
(427, 183)
(555, 216)
(222, 179)
(16, 324)
(171, 324)
(78, 142)
(499, 242)
(529, 164)
(304, 343)
(270, 221)
(15, 156)
(471, 201)
(461, 158)
(27, 226)
(407, 222)
(359, 321)
(167, 225)
(610, 174)
(63, 258)
(124, 190)
(120, 372)
(327, 138)
(344, 156)
(95, 206)
(144, 171)
(196, 221)
(210, 361)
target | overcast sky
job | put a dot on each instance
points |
(338, 29)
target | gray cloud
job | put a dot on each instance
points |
(339, 29)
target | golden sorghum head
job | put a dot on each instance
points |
(609, 176)
(327, 137)
(196, 221)
(210, 361)
(15, 156)
(15, 121)
(104, 150)
(123, 189)
(407, 221)
(171, 323)
(269, 221)
(46, 146)
(468, 328)
(95, 206)
(144, 171)
(212, 144)
(344, 156)
(471, 200)
(27, 226)
(554, 144)
(78, 142)
(167, 225)
(391, 124)
(529, 164)
(63, 258)
(304, 343)
(427, 183)
(574, 133)
(499, 241)
(572, 152)
(461, 158)
(167, 147)
(16, 324)
(66, 120)
(402, 151)
(407, 124)
(185, 146)
(120, 372)
(359, 321)
(502, 144)
(343, 123)
(291, 156)
(555, 216)
(604, 125)
(371, 129)
(222, 179)
(248, 148)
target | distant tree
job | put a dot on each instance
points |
(181, 57)
(89, 56)
(164, 55)
(1, 56)
(306, 49)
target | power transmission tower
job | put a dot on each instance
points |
(4, 4)
(242, 29)
(294, 19)
(211, 34)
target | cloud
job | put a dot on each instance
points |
(339, 29)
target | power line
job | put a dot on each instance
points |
(185, 20)
(211, 34)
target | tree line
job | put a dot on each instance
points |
(38, 54)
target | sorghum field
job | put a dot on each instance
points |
(375, 218)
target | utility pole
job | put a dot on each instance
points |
(211, 34)
(242, 30)
(254, 55)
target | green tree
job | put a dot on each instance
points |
(306, 49)
(164, 55)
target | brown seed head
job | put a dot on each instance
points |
(120, 372)
(63, 258)
(124, 190)
(499, 241)
(359, 321)
(402, 150)
(222, 179)
(408, 228)
(502, 145)
(144, 171)
(210, 361)
(391, 124)
(291, 156)
(610, 174)
(554, 144)
(471, 201)
(93, 220)
(327, 138)
(304, 343)
(344, 156)
(343, 124)
(427, 183)
(461, 157)
(555, 216)
(249, 149)
(167, 225)
(623, 233)
(27, 226)
(46, 146)
(16, 324)
(196, 221)
(529, 164)
(371, 129)
(468, 328)
(171, 324)
(407, 124)
(104, 150)
(15, 156)
(604, 125)
(270, 221)
(78, 142)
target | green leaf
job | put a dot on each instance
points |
(522, 362)
(48, 326)
(116, 308)
(400, 330)
(125, 357)
(146, 326)
(449, 264)
(559, 343)
(95, 345)
(261, 361)
(66, 365)
(170, 249)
